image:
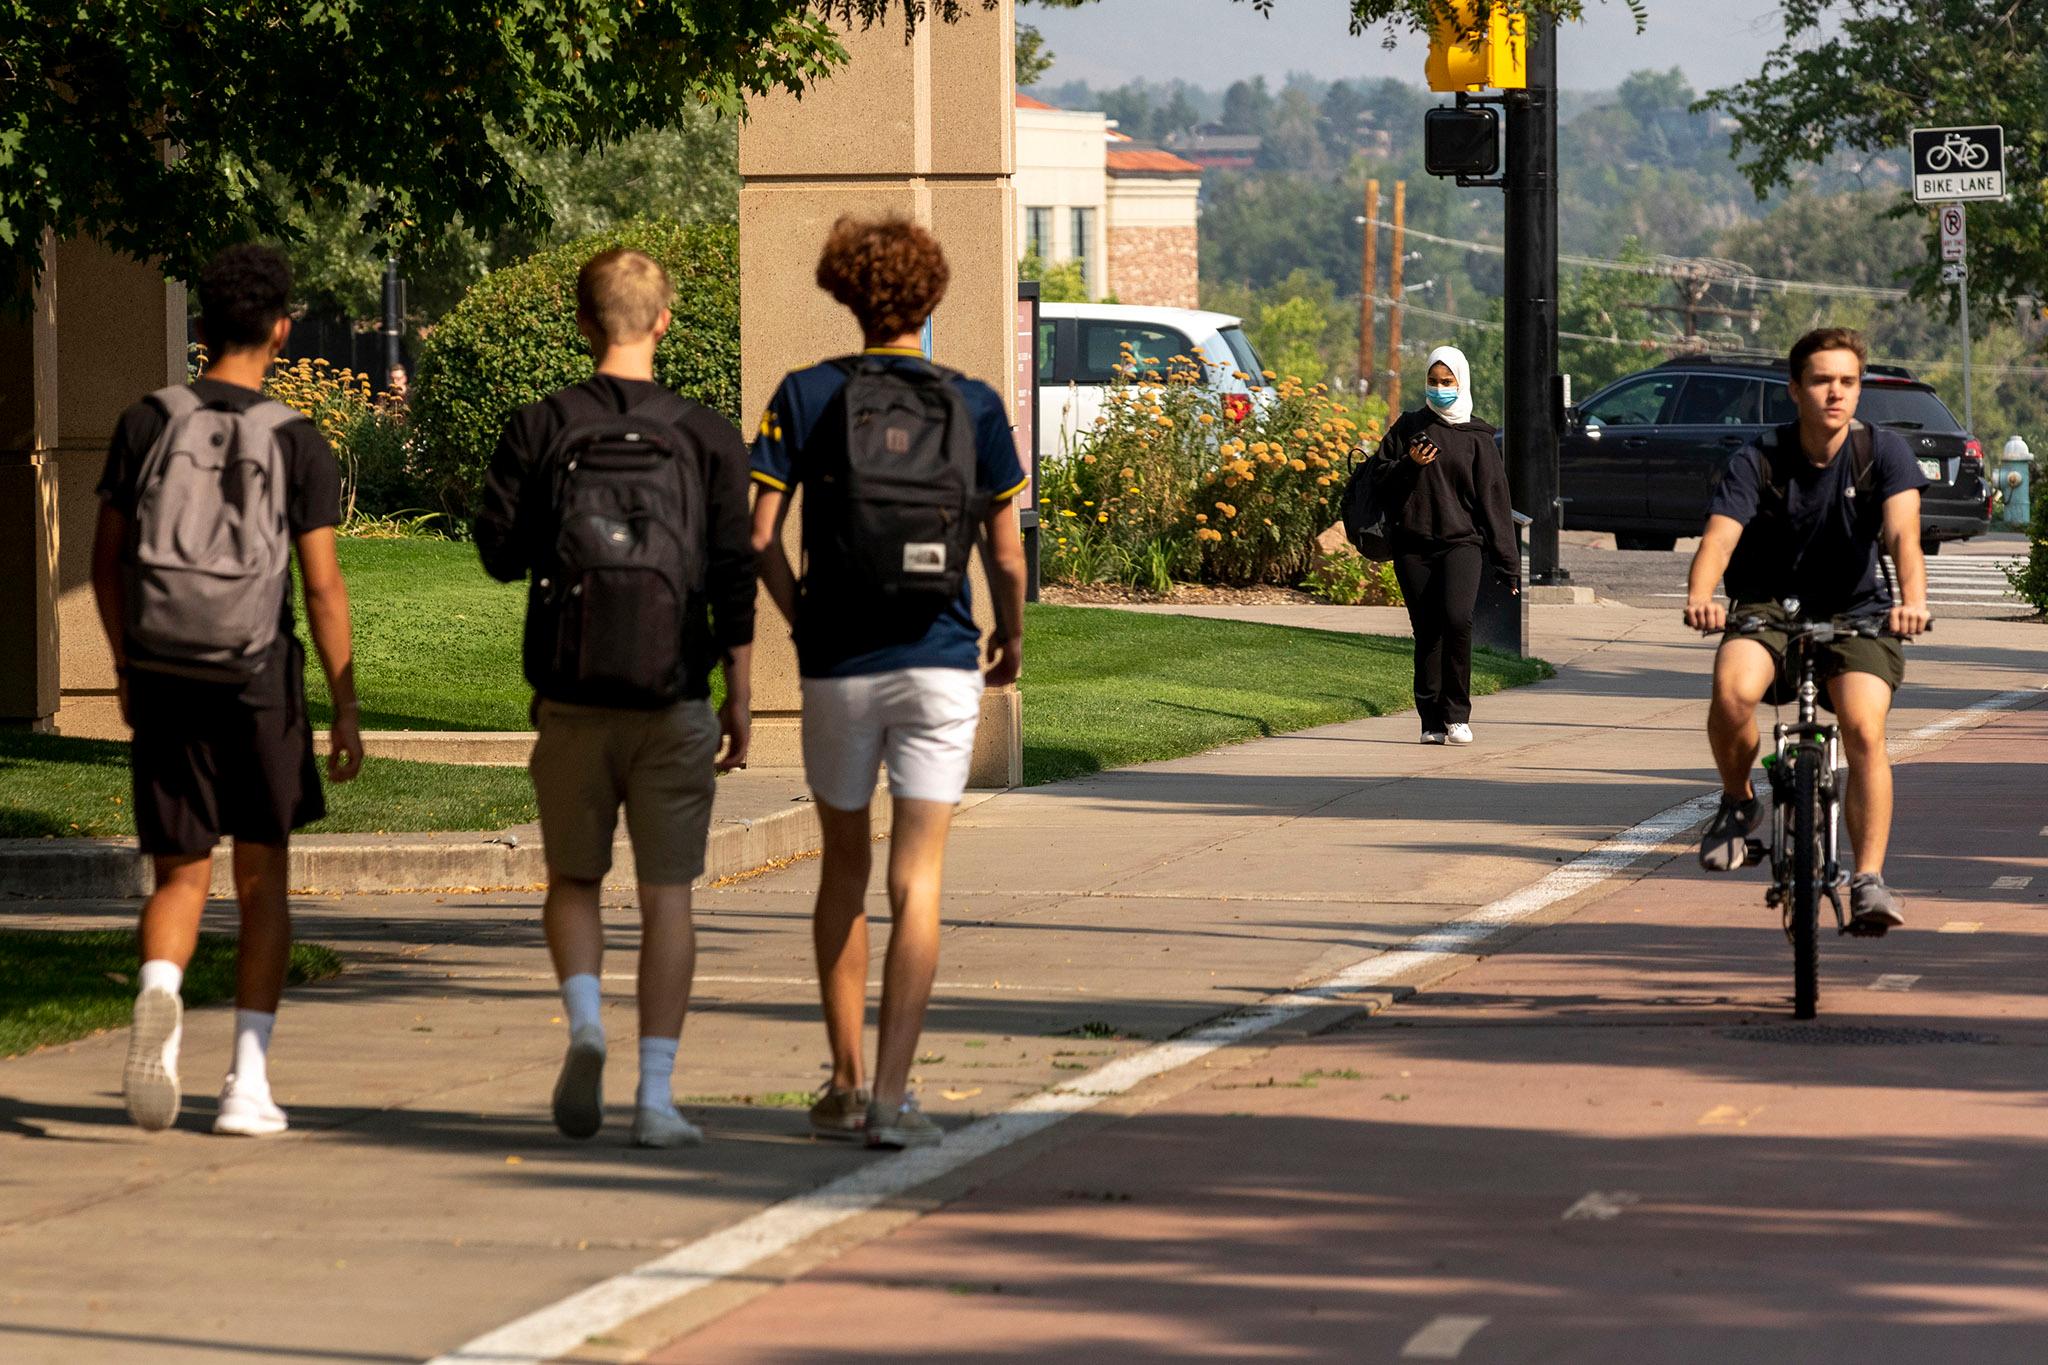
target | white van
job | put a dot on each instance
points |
(1081, 344)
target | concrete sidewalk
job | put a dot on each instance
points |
(1609, 1143)
(1085, 921)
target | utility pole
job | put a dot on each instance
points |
(1369, 278)
(1533, 386)
(1394, 267)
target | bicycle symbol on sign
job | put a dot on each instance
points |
(1958, 149)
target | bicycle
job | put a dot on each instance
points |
(1805, 776)
(1958, 149)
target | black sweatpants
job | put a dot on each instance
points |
(1441, 584)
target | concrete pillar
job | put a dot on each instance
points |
(105, 330)
(923, 128)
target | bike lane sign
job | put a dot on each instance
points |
(1953, 165)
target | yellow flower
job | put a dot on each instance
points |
(1102, 516)
(1134, 488)
(1086, 503)
(1165, 421)
(1087, 459)
(1323, 482)
(1130, 473)
(1269, 374)
(1301, 433)
(1202, 517)
(1259, 447)
(1297, 465)
(1069, 512)
(1207, 418)
(1269, 521)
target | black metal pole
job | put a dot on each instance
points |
(1531, 336)
(392, 329)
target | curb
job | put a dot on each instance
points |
(340, 864)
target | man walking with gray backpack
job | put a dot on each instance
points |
(208, 488)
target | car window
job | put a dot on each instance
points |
(1778, 405)
(1102, 348)
(1912, 409)
(1048, 330)
(1717, 400)
(1247, 359)
(1638, 403)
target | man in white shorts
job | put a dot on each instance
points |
(905, 465)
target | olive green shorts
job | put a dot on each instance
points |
(1880, 658)
(590, 760)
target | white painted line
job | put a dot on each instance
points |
(2044, 831)
(2012, 883)
(1961, 926)
(564, 1325)
(1443, 1339)
(1601, 1206)
(1894, 981)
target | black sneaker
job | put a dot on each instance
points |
(1722, 850)
(1872, 907)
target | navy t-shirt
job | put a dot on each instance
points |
(778, 461)
(1823, 550)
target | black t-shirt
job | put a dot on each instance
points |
(312, 500)
(516, 506)
(1821, 544)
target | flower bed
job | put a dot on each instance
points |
(1173, 485)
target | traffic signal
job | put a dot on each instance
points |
(1495, 56)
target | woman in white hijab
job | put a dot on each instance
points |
(1440, 477)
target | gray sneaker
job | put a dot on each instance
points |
(579, 1090)
(841, 1115)
(1873, 908)
(663, 1128)
(149, 1078)
(1723, 849)
(907, 1127)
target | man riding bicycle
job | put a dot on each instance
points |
(1802, 516)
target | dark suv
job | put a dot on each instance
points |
(1640, 457)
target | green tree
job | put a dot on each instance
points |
(1863, 74)
(1064, 282)
(1034, 59)
(1246, 106)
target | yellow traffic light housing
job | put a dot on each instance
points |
(1495, 56)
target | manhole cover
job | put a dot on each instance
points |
(1851, 1035)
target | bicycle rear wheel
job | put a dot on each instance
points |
(1806, 875)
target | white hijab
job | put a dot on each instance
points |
(1461, 411)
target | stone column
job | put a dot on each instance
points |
(924, 128)
(105, 330)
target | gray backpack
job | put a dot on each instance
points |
(210, 549)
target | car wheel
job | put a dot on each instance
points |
(1644, 540)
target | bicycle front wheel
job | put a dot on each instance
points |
(1806, 875)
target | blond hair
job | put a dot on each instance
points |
(622, 293)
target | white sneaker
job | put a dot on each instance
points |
(1458, 734)
(245, 1113)
(149, 1081)
(1433, 737)
(664, 1127)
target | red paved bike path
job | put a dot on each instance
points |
(1874, 1185)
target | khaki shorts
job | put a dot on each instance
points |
(590, 760)
(1881, 658)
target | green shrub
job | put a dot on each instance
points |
(2030, 577)
(513, 340)
(1352, 580)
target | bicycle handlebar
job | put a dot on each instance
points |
(1821, 632)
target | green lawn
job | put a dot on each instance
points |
(51, 785)
(57, 985)
(437, 648)
(1106, 689)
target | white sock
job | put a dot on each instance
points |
(251, 1069)
(657, 1073)
(581, 996)
(161, 973)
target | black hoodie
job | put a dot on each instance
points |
(1459, 498)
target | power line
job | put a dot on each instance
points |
(1729, 273)
(1917, 363)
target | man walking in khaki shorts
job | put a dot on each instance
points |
(627, 506)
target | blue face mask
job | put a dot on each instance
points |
(1443, 400)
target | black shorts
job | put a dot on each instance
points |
(207, 764)
(1881, 658)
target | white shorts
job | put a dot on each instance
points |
(920, 721)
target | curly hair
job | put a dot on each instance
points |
(242, 293)
(889, 271)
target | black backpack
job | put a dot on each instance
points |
(891, 500)
(621, 557)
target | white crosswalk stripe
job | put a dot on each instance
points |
(1970, 580)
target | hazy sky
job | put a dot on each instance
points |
(1214, 42)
